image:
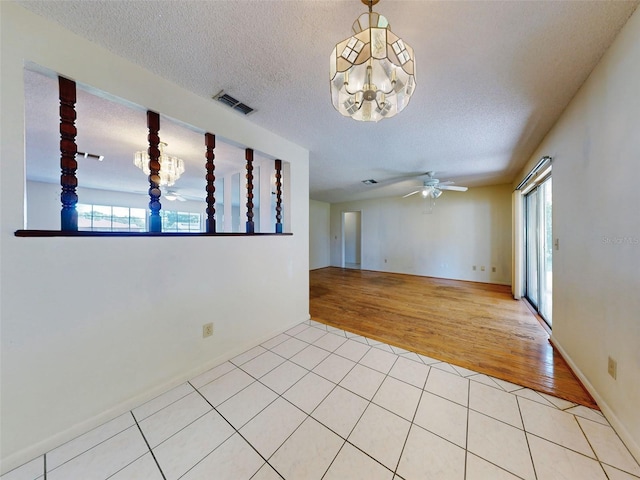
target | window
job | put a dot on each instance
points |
(106, 218)
(173, 221)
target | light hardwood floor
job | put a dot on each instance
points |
(472, 325)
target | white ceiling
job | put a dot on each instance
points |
(492, 77)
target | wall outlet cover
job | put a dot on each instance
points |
(207, 330)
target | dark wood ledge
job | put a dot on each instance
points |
(60, 233)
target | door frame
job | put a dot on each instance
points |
(540, 249)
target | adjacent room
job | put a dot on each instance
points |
(214, 266)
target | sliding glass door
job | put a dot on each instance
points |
(538, 249)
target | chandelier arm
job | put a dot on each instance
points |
(352, 93)
(393, 84)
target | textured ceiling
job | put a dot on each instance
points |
(492, 77)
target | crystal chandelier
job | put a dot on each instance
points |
(373, 71)
(170, 167)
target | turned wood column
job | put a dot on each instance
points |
(210, 143)
(153, 124)
(249, 176)
(278, 196)
(68, 149)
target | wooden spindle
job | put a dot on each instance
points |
(153, 124)
(68, 149)
(210, 143)
(249, 176)
(278, 196)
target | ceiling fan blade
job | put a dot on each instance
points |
(412, 193)
(452, 187)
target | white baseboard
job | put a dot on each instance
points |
(607, 411)
(27, 454)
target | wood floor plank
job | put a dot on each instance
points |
(477, 326)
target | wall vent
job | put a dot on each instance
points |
(232, 102)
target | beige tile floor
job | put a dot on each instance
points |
(320, 403)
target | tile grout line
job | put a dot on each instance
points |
(526, 438)
(90, 448)
(361, 415)
(468, 452)
(169, 404)
(616, 434)
(335, 386)
(345, 441)
(412, 421)
(466, 438)
(350, 431)
(591, 446)
(148, 446)
(393, 413)
(594, 457)
(334, 458)
(239, 434)
(285, 399)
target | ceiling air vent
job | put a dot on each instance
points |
(232, 102)
(371, 181)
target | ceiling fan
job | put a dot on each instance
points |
(172, 195)
(432, 187)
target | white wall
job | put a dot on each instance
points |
(352, 237)
(596, 272)
(90, 327)
(319, 247)
(464, 229)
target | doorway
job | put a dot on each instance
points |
(352, 239)
(539, 249)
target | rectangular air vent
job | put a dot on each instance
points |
(232, 102)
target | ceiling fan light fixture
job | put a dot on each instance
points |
(372, 73)
(173, 195)
(432, 187)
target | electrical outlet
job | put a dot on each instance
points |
(482, 268)
(612, 368)
(207, 330)
(474, 268)
(493, 269)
